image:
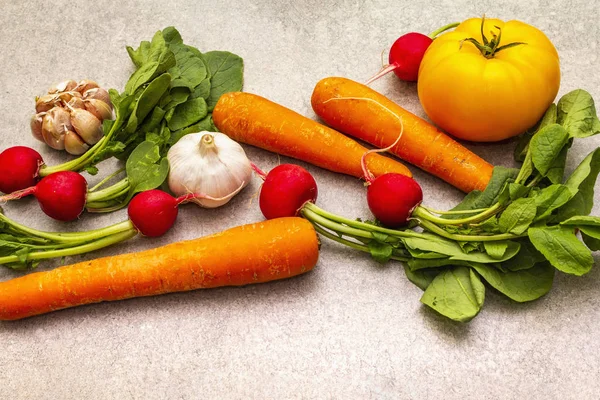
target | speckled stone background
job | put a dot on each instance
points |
(351, 329)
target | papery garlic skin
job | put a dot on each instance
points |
(208, 163)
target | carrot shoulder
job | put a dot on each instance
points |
(422, 144)
(254, 120)
(254, 253)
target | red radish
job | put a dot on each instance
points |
(405, 57)
(407, 53)
(61, 195)
(153, 212)
(19, 168)
(391, 197)
(285, 190)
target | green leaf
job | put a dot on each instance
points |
(187, 114)
(546, 146)
(205, 124)
(582, 220)
(422, 279)
(436, 244)
(561, 247)
(158, 60)
(527, 257)
(581, 183)
(202, 90)
(176, 96)
(501, 176)
(381, 252)
(556, 172)
(577, 113)
(416, 264)
(189, 69)
(517, 217)
(517, 190)
(139, 56)
(589, 227)
(523, 285)
(147, 101)
(152, 123)
(226, 70)
(522, 148)
(497, 249)
(550, 198)
(145, 168)
(456, 293)
(591, 237)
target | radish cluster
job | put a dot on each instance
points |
(390, 197)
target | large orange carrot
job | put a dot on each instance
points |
(377, 121)
(261, 252)
(254, 120)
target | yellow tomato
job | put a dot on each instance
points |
(489, 97)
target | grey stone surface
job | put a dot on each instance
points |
(350, 329)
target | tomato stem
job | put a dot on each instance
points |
(489, 47)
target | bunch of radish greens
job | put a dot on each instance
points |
(526, 224)
(171, 93)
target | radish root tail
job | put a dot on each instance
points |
(384, 70)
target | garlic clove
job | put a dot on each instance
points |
(36, 126)
(98, 94)
(67, 96)
(63, 86)
(76, 102)
(100, 109)
(74, 145)
(45, 103)
(51, 132)
(85, 85)
(87, 126)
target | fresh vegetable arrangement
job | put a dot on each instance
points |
(512, 231)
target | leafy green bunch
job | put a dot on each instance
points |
(171, 93)
(526, 224)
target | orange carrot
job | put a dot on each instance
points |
(254, 120)
(367, 115)
(255, 253)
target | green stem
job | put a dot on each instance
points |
(69, 237)
(453, 212)
(357, 224)
(444, 28)
(108, 178)
(423, 214)
(71, 251)
(351, 244)
(76, 164)
(110, 192)
(427, 225)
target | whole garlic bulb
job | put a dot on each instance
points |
(208, 164)
(70, 116)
